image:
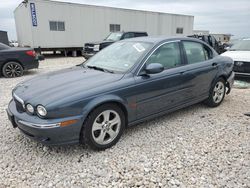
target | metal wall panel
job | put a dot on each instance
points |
(86, 23)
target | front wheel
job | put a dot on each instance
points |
(217, 93)
(103, 127)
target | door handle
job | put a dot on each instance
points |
(182, 72)
(214, 64)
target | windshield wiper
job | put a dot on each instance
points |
(100, 69)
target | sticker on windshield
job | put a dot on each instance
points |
(139, 47)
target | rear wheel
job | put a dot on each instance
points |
(12, 69)
(103, 127)
(217, 93)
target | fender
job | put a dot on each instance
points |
(101, 100)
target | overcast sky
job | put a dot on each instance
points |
(221, 16)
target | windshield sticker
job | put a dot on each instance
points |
(139, 47)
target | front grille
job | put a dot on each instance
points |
(19, 106)
(19, 103)
(89, 48)
(241, 66)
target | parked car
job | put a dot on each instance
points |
(211, 40)
(126, 83)
(240, 53)
(13, 61)
(92, 48)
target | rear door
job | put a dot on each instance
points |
(201, 65)
(165, 90)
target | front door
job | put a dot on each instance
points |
(165, 90)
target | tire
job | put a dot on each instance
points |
(12, 69)
(98, 131)
(217, 93)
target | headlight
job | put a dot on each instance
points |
(96, 47)
(41, 110)
(30, 108)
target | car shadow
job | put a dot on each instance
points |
(30, 72)
(242, 78)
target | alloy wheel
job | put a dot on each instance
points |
(219, 91)
(106, 127)
(13, 70)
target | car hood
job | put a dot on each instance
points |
(57, 85)
(238, 55)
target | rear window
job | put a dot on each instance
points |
(3, 46)
(141, 34)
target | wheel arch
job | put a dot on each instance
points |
(110, 99)
(11, 60)
(223, 76)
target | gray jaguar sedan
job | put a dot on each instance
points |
(126, 83)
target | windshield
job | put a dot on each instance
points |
(114, 36)
(3, 46)
(119, 57)
(242, 45)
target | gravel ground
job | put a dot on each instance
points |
(194, 147)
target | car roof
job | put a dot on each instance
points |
(158, 39)
(129, 32)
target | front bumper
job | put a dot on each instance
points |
(48, 132)
(230, 82)
(88, 55)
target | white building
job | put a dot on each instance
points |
(201, 32)
(60, 25)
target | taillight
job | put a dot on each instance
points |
(31, 53)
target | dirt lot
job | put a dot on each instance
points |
(194, 147)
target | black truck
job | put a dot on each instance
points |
(92, 48)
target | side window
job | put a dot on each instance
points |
(53, 26)
(168, 55)
(128, 35)
(140, 34)
(114, 27)
(196, 52)
(179, 30)
(57, 26)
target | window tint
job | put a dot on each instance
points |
(140, 34)
(128, 35)
(114, 27)
(168, 55)
(196, 52)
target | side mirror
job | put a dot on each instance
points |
(154, 68)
